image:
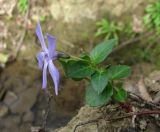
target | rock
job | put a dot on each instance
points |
(83, 115)
(75, 12)
(10, 98)
(87, 113)
(24, 82)
(28, 116)
(10, 123)
(20, 79)
(3, 110)
(26, 100)
(74, 22)
(71, 96)
(153, 81)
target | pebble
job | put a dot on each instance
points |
(3, 110)
(25, 101)
(10, 98)
(143, 124)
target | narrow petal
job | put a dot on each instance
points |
(40, 36)
(51, 45)
(55, 75)
(44, 85)
(40, 58)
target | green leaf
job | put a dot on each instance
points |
(22, 6)
(101, 51)
(120, 95)
(118, 72)
(77, 69)
(99, 81)
(94, 99)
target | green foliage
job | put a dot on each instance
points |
(101, 51)
(119, 93)
(152, 17)
(119, 71)
(22, 6)
(109, 29)
(101, 79)
(95, 99)
(77, 69)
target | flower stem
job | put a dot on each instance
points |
(77, 58)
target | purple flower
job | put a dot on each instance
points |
(46, 56)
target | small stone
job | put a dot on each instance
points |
(3, 110)
(28, 116)
(25, 101)
(11, 123)
(10, 98)
(143, 124)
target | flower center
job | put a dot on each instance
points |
(46, 57)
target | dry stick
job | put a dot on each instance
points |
(19, 45)
(138, 98)
(117, 118)
(47, 111)
(130, 41)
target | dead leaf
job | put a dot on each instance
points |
(157, 98)
(137, 24)
(7, 7)
(143, 91)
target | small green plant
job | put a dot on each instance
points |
(108, 29)
(101, 79)
(152, 17)
(22, 6)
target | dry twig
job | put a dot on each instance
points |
(142, 113)
(49, 96)
(131, 41)
(23, 34)
(142, 101)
